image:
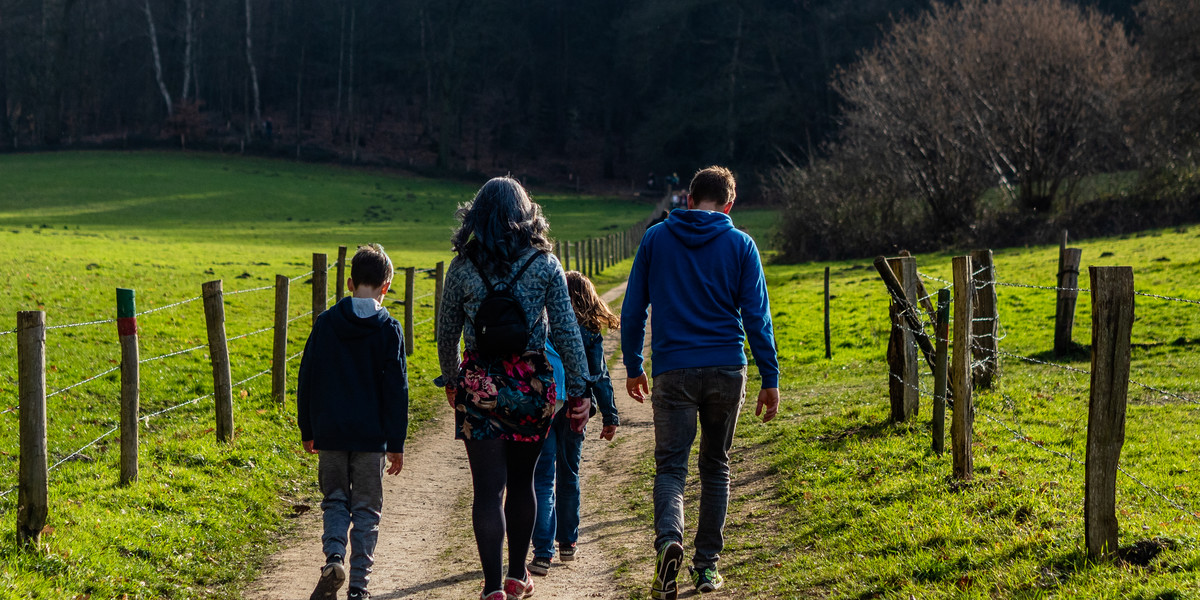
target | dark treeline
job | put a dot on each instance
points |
(596, 88)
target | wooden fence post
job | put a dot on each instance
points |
(218, 351)
(341, 273)
(591, 257)
(33, 478)
(439, 280)
(940, 371)
(320, 284)
(566, 256)
(1112, 326)
(903, 376)
(410, 277)
(828, 347)
(963, 419)
(578, 258)
(279, 349)
(986, 325)
(128, 334)
(1064, 313)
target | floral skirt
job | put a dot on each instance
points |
(510, 399)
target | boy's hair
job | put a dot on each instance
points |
(714, 184)
(592, 313)
(371, 266)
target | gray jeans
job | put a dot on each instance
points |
(352, 483)
(712, 396)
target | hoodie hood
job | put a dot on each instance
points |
(695, 228)
(347, 324)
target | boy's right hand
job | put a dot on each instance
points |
(396, 462)
(308, 446)
(608, 432)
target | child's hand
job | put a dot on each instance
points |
(308, 446)
(396, 460)
(608, 432)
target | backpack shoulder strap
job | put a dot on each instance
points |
(521, 272)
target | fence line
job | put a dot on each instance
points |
(79, 383)
(170, 354)
(257, 289)
(1149, 295)
(248, 334)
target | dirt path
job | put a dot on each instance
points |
(426, 548)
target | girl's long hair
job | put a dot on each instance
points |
(498, 225)
(592, 313)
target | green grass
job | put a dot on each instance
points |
(75, 226)
(863, 508)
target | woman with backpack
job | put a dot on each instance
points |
(505, 292)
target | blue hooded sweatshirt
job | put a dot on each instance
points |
(705, 280)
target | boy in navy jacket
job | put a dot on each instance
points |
(352, 408)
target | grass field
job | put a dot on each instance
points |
(75, 226)
(862, 508)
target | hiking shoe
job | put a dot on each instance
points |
(358, 594)
(333, 575)
(666, 570)
(566, 552)
(706, 579)
(516, 589)
(540, 565)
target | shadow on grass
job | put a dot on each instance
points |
(1078, 353)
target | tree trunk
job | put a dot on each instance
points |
(158, 72)
(253, 71)
(189, 31)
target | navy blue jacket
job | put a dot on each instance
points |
(709, 295)
(599, 383)
(352, 392)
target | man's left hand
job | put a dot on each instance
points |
(768, 404)
(308, 446)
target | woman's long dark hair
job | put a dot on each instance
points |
(498, 225)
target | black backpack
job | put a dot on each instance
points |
(501, 329)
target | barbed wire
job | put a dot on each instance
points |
(1042, 362)
(79, 383)
(1148, 295)
(180, 303)
(1025, 438)
(299, 316)
(1165, 392)
(7, 332)
(100, 322)
(429, 320)
(257, 289)
(170, 354)
(300, 276)
(85, 447)
(250, 333)
(415, 298)
(146, 418)
(932, 278)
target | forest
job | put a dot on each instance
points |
(601, 91)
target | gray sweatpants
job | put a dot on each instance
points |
(352, 483)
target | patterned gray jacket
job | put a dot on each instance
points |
(542, 292)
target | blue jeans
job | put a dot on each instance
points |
(556, 482)
(352, 483)
(713, 396)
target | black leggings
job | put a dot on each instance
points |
(496, 464)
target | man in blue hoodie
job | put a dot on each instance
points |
(711, 294)
(352, 409)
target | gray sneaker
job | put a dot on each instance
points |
(333, 575)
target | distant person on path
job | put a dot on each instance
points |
(352, 408)
(503, 391)
(556, 480)
(705, 279)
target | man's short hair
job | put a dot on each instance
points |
(371, 266)
(714, 184)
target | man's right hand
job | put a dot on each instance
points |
(308, 446)
(768, 404)
(638, 387)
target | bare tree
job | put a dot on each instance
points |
(158, 70)
(1170, 45)
(1024, 94)
(250, 65)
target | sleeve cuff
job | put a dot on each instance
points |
(396, 446)
(634, 372)
(770, 381)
